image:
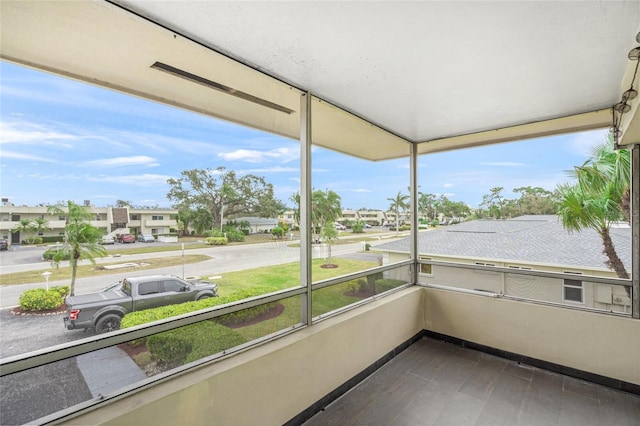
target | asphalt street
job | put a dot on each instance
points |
(223, 259)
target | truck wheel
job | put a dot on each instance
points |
(206, 296)
(108, 323)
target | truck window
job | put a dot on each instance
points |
(148, 288)
(172, 285)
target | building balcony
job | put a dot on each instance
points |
(159, 223)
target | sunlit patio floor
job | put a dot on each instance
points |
(437, 383)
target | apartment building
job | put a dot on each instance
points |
(113, 220)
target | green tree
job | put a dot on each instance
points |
(494, 202)
(81, 239)
(325, 208)
(597, 199)
(357, 226)
(27, 227)
(535, 200)
(398, 204)
(224, 195)
(426, 206)
(329, 236)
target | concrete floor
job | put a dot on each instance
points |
(436, 383)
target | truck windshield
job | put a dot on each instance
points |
(126, 287)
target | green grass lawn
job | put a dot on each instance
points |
(279, 277)
(84, 270)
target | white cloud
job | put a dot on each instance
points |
(583, 143)
(448, 185)
(136, 160)
(28, 157)
(254, 156)
(361, 190)
(20, 132)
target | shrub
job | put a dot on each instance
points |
(40, 299)
(192, 342)
(385, 284)
(53, 239)
(149, 315)
(217, 241)
(63, 290)
(235, 236)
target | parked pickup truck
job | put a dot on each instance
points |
(103, 310)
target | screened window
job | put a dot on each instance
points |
(573, 290)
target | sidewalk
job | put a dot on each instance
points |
(108, 370)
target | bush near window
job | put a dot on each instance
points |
(149, 315)
(385, 284)
(40, 299)
(192, 342)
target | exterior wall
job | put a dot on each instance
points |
(569, 337)
(272, 383)
(594, 295)
(103, 219)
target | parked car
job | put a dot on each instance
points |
(146, 238)
(339, 226)
(107, 239)
(4, 244)
(126, 238)
(51, 251)
(104, 309)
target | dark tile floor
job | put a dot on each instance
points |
(436, 383)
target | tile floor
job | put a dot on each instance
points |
(436, 383)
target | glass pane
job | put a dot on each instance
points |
(352, 211)
(168, 191)
(337, 296)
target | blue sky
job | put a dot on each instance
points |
(64, 140)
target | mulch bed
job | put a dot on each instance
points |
(55, 311)
(329, 266)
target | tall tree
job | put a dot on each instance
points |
(535, 200)
(494, 202)
(81, 239)
(398, 203)
(597, 199)
(224, 194)
(325, 208)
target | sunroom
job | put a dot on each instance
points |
(377, 82)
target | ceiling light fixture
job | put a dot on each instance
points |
(219, 87)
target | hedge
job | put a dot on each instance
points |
(386, 284)
(149, 315)
(217, 241)
(192, 342)
(40, 299)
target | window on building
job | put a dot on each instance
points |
(572, 290)
(154, 231)
(135, 217)
(155, 217)
(426, 269)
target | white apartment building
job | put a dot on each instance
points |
(114, 220)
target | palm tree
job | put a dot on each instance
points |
(26, 226)
(81, 239)
(399, 203)
(596, 200)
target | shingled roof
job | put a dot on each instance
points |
(534, 238)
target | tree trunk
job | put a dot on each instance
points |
(614, 261)
(74, 269)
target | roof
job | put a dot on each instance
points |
(535, 239)
(382, 76)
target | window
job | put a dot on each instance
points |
(135, 217)
(62, 218)
(172, 285)
(149, 288)
(154, 231)
(426, 269)
(154, 217)
(572, 290)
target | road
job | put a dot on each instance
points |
(223, 259)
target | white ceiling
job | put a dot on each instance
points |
(424, 71)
